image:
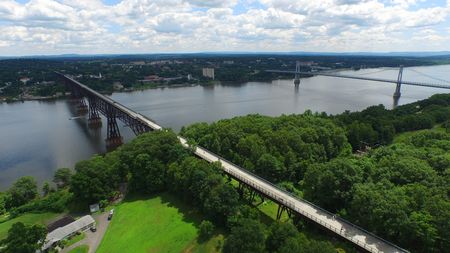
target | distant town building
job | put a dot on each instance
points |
(307, 63)
(96, 77)
(152, 78)
(24, 80)
(228, 62)
(117, 86)
(137, 62)
(208, 72)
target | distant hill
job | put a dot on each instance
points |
(232, 53)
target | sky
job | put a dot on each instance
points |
(41, 27)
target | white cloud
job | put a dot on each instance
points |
(143, 26)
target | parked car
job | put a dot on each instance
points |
(110, 215)
(94, 228)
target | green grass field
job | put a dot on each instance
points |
(80, 249)
(29, 218)
(155, 224)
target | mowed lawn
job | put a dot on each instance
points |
(28, 218)
(155, 224)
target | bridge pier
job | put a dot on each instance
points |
(297, 74)
(94, 120)
(82, 107)
(113, 137)
(397, 92)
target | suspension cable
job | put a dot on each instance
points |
(429, 76)
(373, 72)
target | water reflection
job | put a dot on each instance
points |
(396, 102)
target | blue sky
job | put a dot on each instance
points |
(151, 26)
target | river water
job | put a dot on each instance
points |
(37, 137)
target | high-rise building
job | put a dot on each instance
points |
(208, 72)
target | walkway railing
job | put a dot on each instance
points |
(292, 206)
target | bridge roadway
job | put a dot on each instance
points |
(341, 227)
(432, 85)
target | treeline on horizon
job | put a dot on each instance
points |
(396, 186)
(246, 67)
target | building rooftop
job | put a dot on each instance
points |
(62, 232)
(66, 220)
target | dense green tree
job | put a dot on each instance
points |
(221, 203)
(285, 145)
(2, 203)
(331, 184)
(205, 230)
(242, 212)
(421, 232)
(279, 234)
(53, 202)
(270, 168)
(404, 170)
(248, 237)
(62, 177)
(21, 192)
(319, 247)
(147, 175)
(23, 238)
(251, 147)
(46, 188)
(361, 135)
(193, 179)
(383, 208)
(94, 180)
(291, 245)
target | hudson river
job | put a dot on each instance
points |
(37, 137)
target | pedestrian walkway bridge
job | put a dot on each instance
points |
(293, 204)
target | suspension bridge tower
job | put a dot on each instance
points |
(297, 73)
(397, 93)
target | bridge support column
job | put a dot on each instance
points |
(82, 107)
(281, 209)
(94, 120)
(397, 92)
(113, 137)
(297, 74)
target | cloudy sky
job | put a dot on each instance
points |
(29, 27)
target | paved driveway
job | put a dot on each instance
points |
(92, 239)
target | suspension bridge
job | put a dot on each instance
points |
(399, 81)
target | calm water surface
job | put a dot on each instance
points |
(38, 137)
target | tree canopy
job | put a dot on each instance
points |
(23, 238)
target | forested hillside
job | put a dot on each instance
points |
(399, 190)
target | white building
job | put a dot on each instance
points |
(208, 72)
(82, 224)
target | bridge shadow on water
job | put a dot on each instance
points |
(94, 135)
